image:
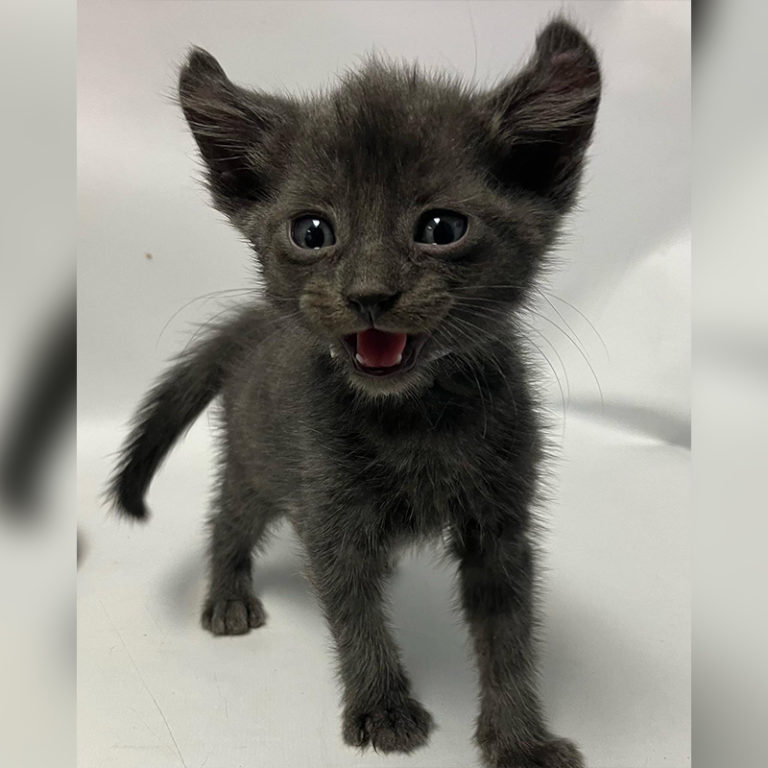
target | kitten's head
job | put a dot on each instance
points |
(403, 215)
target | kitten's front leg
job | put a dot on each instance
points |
(347, 567)
(496, 573)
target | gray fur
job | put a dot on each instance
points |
(362, 465)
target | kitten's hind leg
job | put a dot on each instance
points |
(240, 524)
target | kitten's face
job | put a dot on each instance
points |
(387, 236)
(398, 218)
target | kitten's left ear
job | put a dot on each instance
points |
(539, 124)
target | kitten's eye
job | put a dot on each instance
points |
(441, 228)
(312, 233)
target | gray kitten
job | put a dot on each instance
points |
(379, 396)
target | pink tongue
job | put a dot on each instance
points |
(379, 349)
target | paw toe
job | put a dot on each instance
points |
(557, 753)
(554, 753)
(233, 616)
(400, 727)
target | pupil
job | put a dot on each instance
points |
(443, 233)
(314, 237)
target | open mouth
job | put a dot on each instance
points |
(380, 353)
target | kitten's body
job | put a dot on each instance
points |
(292, 420)
(440, 441)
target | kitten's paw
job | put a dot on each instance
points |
(392, 727)
(554, 753)
(233, 616)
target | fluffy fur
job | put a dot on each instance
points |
(362, 465)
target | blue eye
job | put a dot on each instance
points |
(312, 233)
(441, 228)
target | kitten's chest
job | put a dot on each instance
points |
(423, 468)
(436, 478)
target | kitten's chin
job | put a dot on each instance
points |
(396, 386)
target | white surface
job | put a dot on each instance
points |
(154, 689)
(615, 666)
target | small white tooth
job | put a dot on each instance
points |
(399, 360)
(334, 352)
(359, 358)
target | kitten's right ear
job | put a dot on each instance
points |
(241, 134)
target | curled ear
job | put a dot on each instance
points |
(241, 134)
(538, 124)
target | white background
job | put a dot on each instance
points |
(154, 689)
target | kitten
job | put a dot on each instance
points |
(379, 395)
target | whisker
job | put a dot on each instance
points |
(488, 307)
(578, 349)
(500, 339)
(515, 321)
(231, 292)
(586, 319)
(472, 326)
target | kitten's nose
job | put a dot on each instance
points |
(371, 306)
